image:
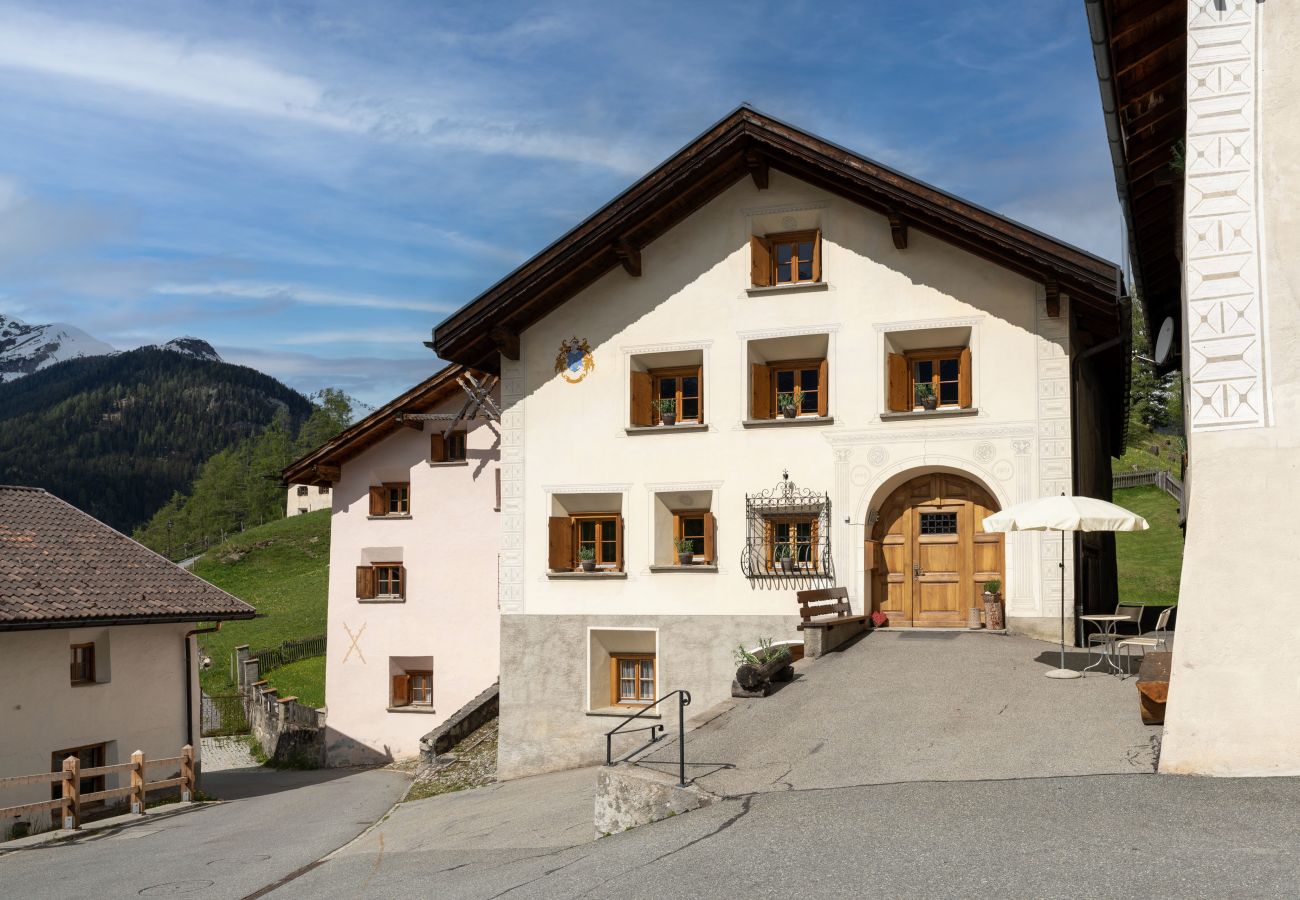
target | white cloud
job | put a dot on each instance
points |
(190, 72)
(358, 336)
(307, 296)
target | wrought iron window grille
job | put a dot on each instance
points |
(788, 521)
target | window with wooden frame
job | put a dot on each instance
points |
(792, 257)
(683, 386)
(450, 447)
(599, 533)
(391, 498)
(414, 688)
(793, 536)
(381, 581)
(696, 527)
(90, 757)
(946, 372)
(322, 489)
(631, 679)
(302, 490)
(83, 663)
(804, 382)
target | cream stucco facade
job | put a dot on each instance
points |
(447, 623)
(568, 447)
(1234, 702)
(307, 498)
(137, 702)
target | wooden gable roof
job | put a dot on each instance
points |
(321, 466)
(748, 143)
(1140, 49)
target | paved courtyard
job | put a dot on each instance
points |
(922, 706)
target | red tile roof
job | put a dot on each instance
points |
(60, 566)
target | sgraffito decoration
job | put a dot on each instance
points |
(574, 361)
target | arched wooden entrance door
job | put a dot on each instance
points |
(931, 556)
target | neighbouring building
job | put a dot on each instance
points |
(735, 359)
(97, 650)
(1202, 107)
(306, 498)
(412, 630)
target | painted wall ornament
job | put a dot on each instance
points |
(574, 361)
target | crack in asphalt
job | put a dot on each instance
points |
(546, 874)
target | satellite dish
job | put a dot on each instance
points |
(1165, 341)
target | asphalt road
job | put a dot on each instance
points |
(1137, 835)
(270, 825)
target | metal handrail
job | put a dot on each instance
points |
(656, 732)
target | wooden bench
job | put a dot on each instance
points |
(1153, 686)
(828, 620)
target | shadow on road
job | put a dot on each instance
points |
(241, 784)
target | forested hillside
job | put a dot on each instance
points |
(239, 487)
(119, 435)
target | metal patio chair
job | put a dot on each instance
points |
(1134, 614)
(1159, 639)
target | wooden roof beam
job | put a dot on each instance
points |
(757, 165)
(327, 473)
(629, 256)
(506, 341)
(898, 230)
(1053, 289)
(406, 421)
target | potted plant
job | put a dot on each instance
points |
(925, 393)
(788, 402)
(667, 409)
(785, 558)
(993, 618)
(879, 619)
(685, 551)
(587, 559)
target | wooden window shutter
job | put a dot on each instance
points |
(817, 259)
(761, 404)
(823, 384)
(760, 261)
(699, 386)
(872, 555)
(401, 571)
(677, 536)
(899, 388)
(963, 379)
(641, 391)
(618, 543)
(437, 448)
(708, 538)
(402, 690)
(561, 543)
(378, 501)
(365, 583)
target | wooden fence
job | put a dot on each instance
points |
(70, 803)
(291, 651)
(1160, 478)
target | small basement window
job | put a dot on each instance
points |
(792, 257)
(623, 668)
(411, 680)
(632, 676)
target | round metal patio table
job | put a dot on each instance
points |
(1106, 626)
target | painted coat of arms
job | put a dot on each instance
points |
(574, 360)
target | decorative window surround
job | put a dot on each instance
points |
(706, 398)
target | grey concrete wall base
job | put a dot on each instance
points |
(820, 641)
(1047, 628)
(628, 796)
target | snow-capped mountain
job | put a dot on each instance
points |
(192, 346)
(25, 349)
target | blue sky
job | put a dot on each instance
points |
(312, 186)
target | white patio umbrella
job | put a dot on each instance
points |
(1065, 514)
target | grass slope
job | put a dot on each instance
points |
(282, 569)
(1149, 561)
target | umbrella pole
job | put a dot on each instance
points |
(1063, 672)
